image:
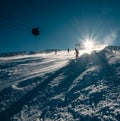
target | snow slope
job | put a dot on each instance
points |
(49, 87)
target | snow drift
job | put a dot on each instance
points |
(49, 87)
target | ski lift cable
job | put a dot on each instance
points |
(17, 24)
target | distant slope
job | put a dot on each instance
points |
(53, 87)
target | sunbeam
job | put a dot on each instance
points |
(90, 44)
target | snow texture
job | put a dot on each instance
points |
(49, 87)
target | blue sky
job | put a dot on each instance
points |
(62, 23)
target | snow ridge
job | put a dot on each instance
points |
(49, 87)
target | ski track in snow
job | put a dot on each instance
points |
(49, 87)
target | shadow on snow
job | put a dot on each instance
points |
(71, 72)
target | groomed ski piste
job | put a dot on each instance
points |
(49, 87)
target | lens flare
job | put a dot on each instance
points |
(90, 45)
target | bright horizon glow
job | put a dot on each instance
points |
(90, 45)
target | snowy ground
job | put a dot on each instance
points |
(49, 87)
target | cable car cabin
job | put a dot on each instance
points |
(35, 31)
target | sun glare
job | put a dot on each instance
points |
(90, 45)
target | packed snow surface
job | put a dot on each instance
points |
(49, 87)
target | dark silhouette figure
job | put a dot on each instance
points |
(55, 52)
(68, 50)
(76, 53)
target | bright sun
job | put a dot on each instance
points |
(88, 45)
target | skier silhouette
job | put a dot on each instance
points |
(68, 50)
(55, 52)
(76, 53)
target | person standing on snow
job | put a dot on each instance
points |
(55, 52)
(76, 53)
(68, 50)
